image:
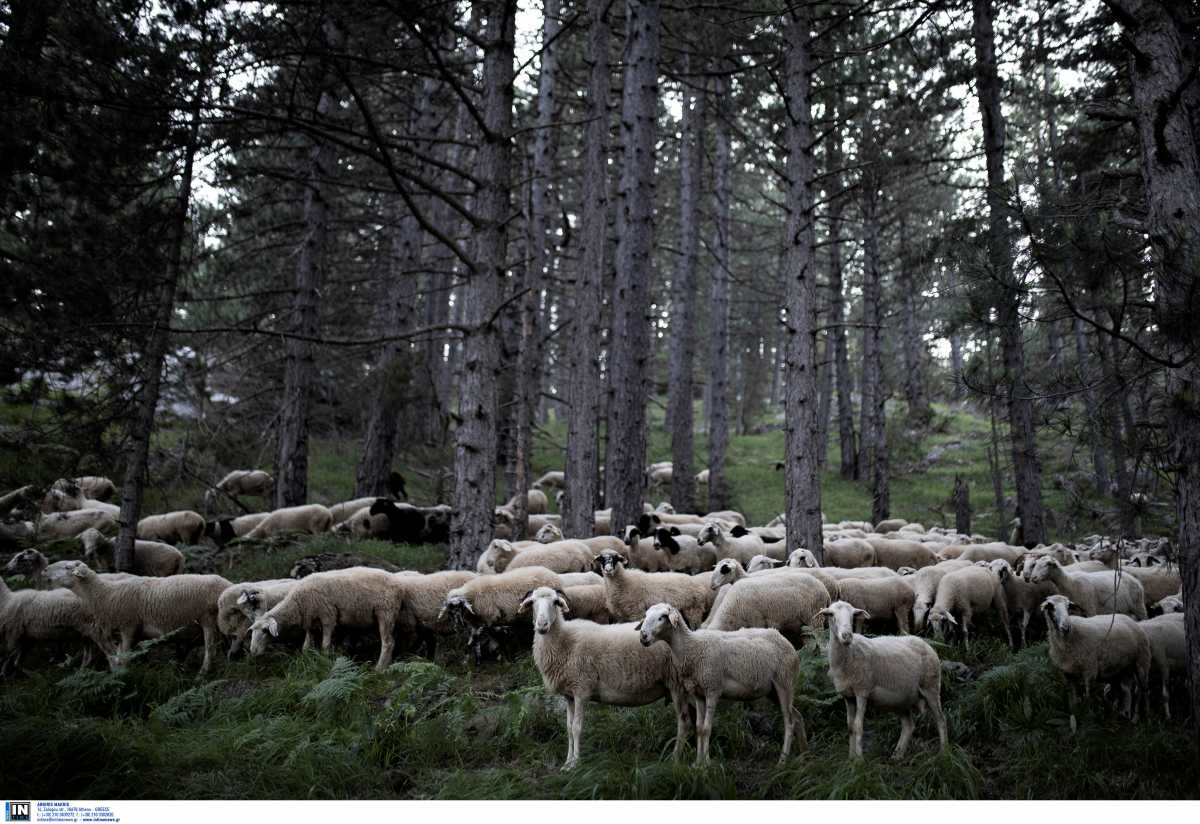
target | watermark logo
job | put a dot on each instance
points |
(16, 811)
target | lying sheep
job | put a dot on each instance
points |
(1021, 596)
(583, 661)
(924, 584)
(630, 592)
(494, 599)
(743, 665)
(150, 606)
(787, 602)
(561, 556)
(879, 597)
(1101, 647)
(897, 553)
(150, 558)
(683, 553)
(356, 597)
(311, 518)
(896, 674)
(1096, 593)
(341, 511)
(182, 527)
(890, 525)
(968, 591)
(70, 524)
(224, 530)
(240, 605)
(1168, 650)
(362, 524)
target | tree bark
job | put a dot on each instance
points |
(475, 438)
(1170, 169)
(583, 347)
(825, 398)
(1026, 463)
(912, 345)
(629, 346)
(962, 506)
(803, 491)
(717, 394)
(1092, 405)
(837, 316)
(873, 459)
(683, 296)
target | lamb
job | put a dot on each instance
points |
(421, 609)
(561, 556)
(70, 524)
(554, 479)
(1020, 595)
(743, 546)
(1096, 593)
(898, 553)
(683, 553)
(253, 482)
(32, 616)
(355, 597)
(183, 527)
(1168, 650)
(787, 602)
(897, 674)
(968, 591)
(924, 583)
(96, 487)
(311, 518)
(152, 606)
(879, 597)
(743, 665)
(240, 605)
(1105, 647)
(150, 558)
(494, 599)
(630, 592)
(583, 661)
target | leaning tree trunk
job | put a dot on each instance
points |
(683, 297)
(291, 454)
(874, 458)
(142, 426)
(802, 474)
(1172, 179)
(716, 397)
(475, 438)
(1026, 463)
(629, 347)
(583, 346)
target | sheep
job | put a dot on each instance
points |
(1105, 647)
(182, 527)
(554, 479)
(769, 534)
(968, 591)
(786, 602)
(588, 602)
(1168, 606)
(898, 553)
(535, 503)
(701, 478)
(33, 616)
(890, 525)
(35, 567)
(983, 552)
(584, 661)
(1157, 583)
(561, 556)
(1096, 593)
(355, 597)
(496, 558)
(897, 674)
(640, 552)
(150, 558)
(850, 553)
(743, 665)
(24, 498)
(630, 592)
(494, 599)
(1168, 650)
(924, 583)
(224, 530)
(743, 546)
(96, 487)
(362, 524)
(253, 482)
(149, 605)
(239, 606)
(421, 608)
(341, 512)
(505, 525)
(659, 475)
(1020, 595)
(683, 553)
(311, 518)
(879, 597)
(915, 528)
(408, 524)
(70, 524)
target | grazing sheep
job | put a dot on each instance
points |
(1168, 650)
(584, 661)
(494, 599)
(356, 597)
(968, 591)
(554, 479)
(70, 524)
(224, 530)
(182, 527)
(895, 674)
(253, 482)
(35, 567)
(924, 583)
(849, 553)
(34, 616)
(424, 595)
(879, 597)
(1096, 593)
(831, 575)
(1020, 595)
(150, 558)
(240, 605)
(561, 556)
(311, 518)
(630, 592)
(787, 602)
(743, 665)
(732, 543)
(683, 552)
(898, 553)
(150, 606)
(1100, 647)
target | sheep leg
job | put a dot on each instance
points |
(1166, 693)
(710, 710)
(784, 694)
(902, 621)
(1073, 703)
(327, 624)
(850, 710)
(966, 629)
(1024, 626)
(576, 731)
(933, 700)
(571, 756)
(209, 643)
(387, 641)
(683, 716)
(906, 731)
(860, 717)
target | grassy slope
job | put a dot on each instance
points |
(297, 726)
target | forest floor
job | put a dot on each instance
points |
(290, 725)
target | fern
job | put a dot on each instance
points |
(189, 706)
(333, 695)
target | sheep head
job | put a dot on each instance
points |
(841, 617)
(609, 563)
(665, 539)
(660, 621)
(457, 608)
(1057, 609)
(545, 603)
(548, 534)
(264, 627)
(710, 532)
(942, 621)
(802, 558)
(761, 562)
(725, 572)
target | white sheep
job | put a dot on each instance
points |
(35, 567)
(420, 611)
(1157, 582)
(787, 602)
(584, 661)
(150, 558)
(1100, 647)
(554, 479)
(354, 597)
(150, 606)
(252, 482)
(1020, 595)
(489, 600)
(890, 525)
(70, 524)
(239, 606)
(968, 592)
(630, 592)
(311, 518)
(897, 553)
(96, 487)
(1168, 650)
(743, 665)
(182, 527)
(880, 597)
(1169, 605)
(341, 511)
(924, 583)
(34, 616)
(1096, 593)
(362, 524)
(683, 552)
(743, 545)
(896, 674)
(849, 553)
(588, 602)
(560, 556)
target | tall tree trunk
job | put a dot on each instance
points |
(1172, 179)
(911, 344)
(683, 296)
(142, 427)
(717, 395)
(300, 371)
(825, 398)
(802, 472)
(1026, 463)
(837, 318)
(874, 459)
(475, 438)
(1094, 412)
(629, 348)
(584, 344)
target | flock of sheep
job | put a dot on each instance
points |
(691, 608)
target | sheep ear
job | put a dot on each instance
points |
(1074, 609)
(676, 618)
(1005, 573)
(273, 627)
(738, 531)
(562, 604)
(675, 531)
(78, 571)
(862, 613)
(638, 625)
(951, 619)
(826, 611)
(525, 602)
(244, 598)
